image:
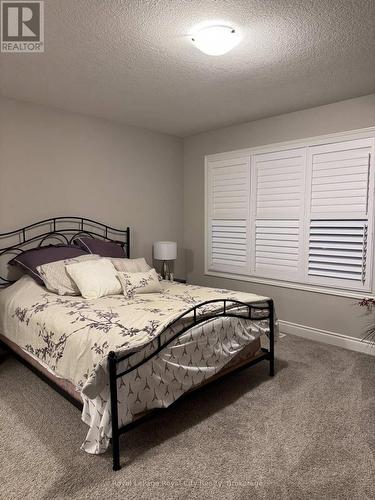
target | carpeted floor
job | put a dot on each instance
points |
(309, 433)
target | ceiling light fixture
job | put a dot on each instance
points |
(215, 40)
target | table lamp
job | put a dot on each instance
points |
(165, 251)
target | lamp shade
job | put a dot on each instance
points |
(165, 250)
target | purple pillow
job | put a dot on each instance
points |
(100, 247)
(29, 260)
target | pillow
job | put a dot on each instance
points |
(131, 265)
(100, 247)
(139, 283)
(94, 278)
(29, 260)
(57, 279)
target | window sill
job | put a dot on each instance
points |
(295, 286)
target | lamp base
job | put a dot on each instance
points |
(165, 271)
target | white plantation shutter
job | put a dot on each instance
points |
(299, 214)
(228, 192)
(278, 207)
(338, 217)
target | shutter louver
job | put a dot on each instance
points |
(337, 249)
(340, 178)
(229, 245)
(276, 245)
(229, 191)
(279, 184)
(228, 207)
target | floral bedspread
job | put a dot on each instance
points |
(72, 336)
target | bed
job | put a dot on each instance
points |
(120, 359)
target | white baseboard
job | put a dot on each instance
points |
(327, 337)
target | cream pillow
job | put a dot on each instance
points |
(56, 278)
(95, 278)
(139, 283)
(131, 265)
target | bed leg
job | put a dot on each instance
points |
(112, 363)
(272, 367)
(272, 338)
(116, 454)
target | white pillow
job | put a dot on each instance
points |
(56, 278)
(139, 283)
(131, 265)
(95, 278)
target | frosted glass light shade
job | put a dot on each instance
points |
(216, 40)
(165, 250)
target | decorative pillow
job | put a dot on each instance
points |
(131, 265)
(29, 260)
(139, 283)
(100, 247)
(57, 279)
(95, 278)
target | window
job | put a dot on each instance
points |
(299, 213)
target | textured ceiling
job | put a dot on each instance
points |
(132, 61)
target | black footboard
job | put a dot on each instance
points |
(228, 310)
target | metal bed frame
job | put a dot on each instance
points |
(78, 226)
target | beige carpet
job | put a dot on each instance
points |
(309, 433)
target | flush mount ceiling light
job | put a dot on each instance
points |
(215, 40)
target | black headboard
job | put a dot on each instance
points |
(59, 230)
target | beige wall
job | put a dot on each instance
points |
(320, 311)
(56, 163)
